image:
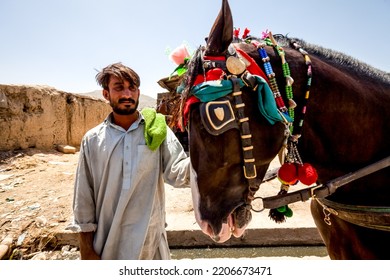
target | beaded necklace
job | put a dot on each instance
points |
(270, 41)
(287, 75)
(271, 76)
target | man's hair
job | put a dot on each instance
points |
(121, 72)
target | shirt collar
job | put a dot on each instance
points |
(140, 120)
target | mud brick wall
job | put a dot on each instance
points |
(43, 117)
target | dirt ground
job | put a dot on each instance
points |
(36, 191)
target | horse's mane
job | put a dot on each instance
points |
(336, 58)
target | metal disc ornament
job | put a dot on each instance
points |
(235, 65)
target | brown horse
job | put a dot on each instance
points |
(232, 141)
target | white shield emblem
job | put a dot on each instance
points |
(220, 113)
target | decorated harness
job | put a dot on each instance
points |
(218, 88)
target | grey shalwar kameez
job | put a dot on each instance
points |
(119, 190)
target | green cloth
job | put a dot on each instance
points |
(155, 128)
(213, 90)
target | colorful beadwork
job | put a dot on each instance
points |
(270, 40)
(307, 173)
(298, 131)
(272, 80)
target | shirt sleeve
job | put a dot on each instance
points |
(176, 163)
(83, 200)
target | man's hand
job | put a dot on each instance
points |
(86, 246)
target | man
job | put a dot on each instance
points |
(119, 204)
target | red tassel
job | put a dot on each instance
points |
(307, 174)
(288, 174)
(236, 32)
(246, 32)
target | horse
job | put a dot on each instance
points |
(340, 125)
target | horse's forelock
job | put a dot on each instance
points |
(195, 68)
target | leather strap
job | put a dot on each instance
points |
(374, 217)
(246, 140)
(210, 64)
(249, 80)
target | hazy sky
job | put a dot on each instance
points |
(62, 43)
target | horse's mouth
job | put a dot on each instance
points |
(235, 224)
(220, 230)
(242, 215)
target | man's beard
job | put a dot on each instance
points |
(128, 110)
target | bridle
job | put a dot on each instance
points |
(239, 78)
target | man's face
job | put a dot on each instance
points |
(122, 96)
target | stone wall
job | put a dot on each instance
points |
(43, 117)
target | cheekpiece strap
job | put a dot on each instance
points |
(246, 139)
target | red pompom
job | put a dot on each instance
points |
(288, 174)
(307, 174)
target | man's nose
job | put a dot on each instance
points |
(128, 92)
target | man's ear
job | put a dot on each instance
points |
(106, 94)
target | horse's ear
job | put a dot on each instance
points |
(221, 34)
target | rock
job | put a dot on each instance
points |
(40, 221)
(66, 149)
(3, 177)
(21, 238)
(65, 248)
(40, 256)
(3, 250)
(34, 206)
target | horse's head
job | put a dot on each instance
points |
(235, 131)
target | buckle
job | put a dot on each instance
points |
(312, 190)
(253, 176)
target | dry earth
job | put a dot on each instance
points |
(36, 190)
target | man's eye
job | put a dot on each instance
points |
(118, 88)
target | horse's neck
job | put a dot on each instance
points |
(345, 118)
(345, 109)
